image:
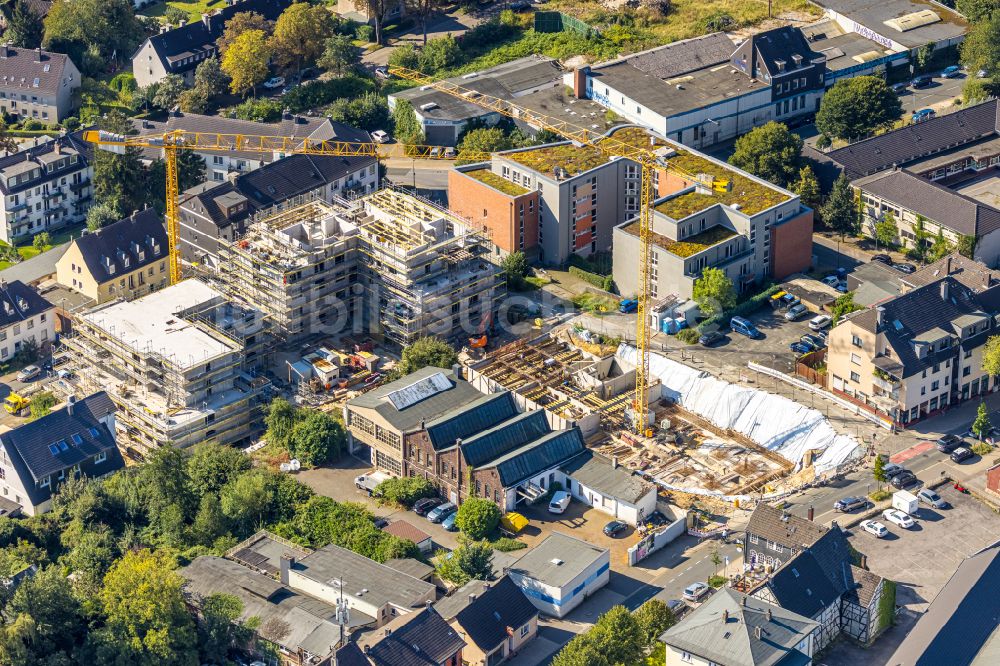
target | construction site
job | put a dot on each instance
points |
(174, 363)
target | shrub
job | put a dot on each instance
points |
(880, 495)
(404, 491)
(71, 124)
(688, 335)
(315, 94)
(33, 125)
(604, 282)
(506, 544)
(716, 580)
(981, 448)
(478, 517)
(258, 110)
(748, 306)
(365, 33)
(823, 142)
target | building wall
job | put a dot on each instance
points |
(474, 655)
(72, 272)
(30, 104)
(560, 601)
(51, 202)
(510, 221)
(613, 506)
(146, 66)
(40, 329)
(791, 242)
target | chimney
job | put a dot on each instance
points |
(38, 54)
(744, 600)
(725, 616)
(769, 615)
(286, 115)
(5, 51)
(944, 290)
(287, 562)
(864, 561)
(70, 401)
(486, 586)
(580, 82)
(457, 370)
(614, 462)
(388, 632)
(207, 19)
(879, 316)
(300, 120)
(758, 632)
(423, 424)
(57, 148)
(947, 265)
(164, 28)
(183, 22)
(472, 598)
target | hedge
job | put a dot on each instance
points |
(742, 309)
(604, 282)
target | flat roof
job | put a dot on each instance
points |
(150, 324)
(842, 49)
(558, 560)
(873, 14)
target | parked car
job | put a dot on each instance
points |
(850, 504)
(921, 115)
(882, 258)
(948, 443)
(799, 348)
(28, 373)
(614, 528)
(982, 74)
(951, 72)
(745, 327)
(928, 496)
(382, 72)
(274, 82)
(449, 522)
(789, 300)
(560, 500)
(898, 518)
(900, 88)
(796, 311)
(905, 268)
(892, 469)
(677, 607)
(960, 454)
(903, 479)
(711, 338)
(520, 5)
(441, 511)
(819, 322)
(696, 591)
(831, 280)
(817, 341)
(921, 81)
(422, 506)
(874, 527)
(449, 153)
(380, 136)
(381, 522)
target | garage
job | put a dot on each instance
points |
(439, 135)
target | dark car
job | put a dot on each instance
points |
(850, 503)
(900, 88)
(814, 340)
(381, 522)
(949, 443)
(903, 479)
(424, 505)
(921, 81)
(905, 268)
(520, 5)
(882, 258)
(960, 454)
(799, 348)
(711, 338)
(614, 528)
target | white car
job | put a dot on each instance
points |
(380, 137)
(28, 373)
(819, 322)
(560, 500)
(274, 82)
(696, 591)
(795, 312)
(874, 527)
(898, 518)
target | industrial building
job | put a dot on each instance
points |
(174, 364)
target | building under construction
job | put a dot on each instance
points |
(173, 363)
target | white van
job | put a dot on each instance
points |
(380, 137)
(559, 502)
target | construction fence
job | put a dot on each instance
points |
(558, 22)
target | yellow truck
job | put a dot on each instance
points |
(16, 404)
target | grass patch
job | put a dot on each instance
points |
(507, 544)
(595, 303)
(535, 282)
(194, 8)
(689, 246)
(574, 160)
(753, 197)
(880, 495)
(981, 449)
(496, 182)
(27, 250)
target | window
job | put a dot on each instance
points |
(100, 457)
(855, 377)
(525, 629)
(754, 539)
(686, 657)
(935, 386)
(855, 359)
(856, 341)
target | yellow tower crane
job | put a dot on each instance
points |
(650, 159)
(173, 141)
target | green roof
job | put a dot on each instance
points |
(691, 245)
(752, 196)
(496, 182)
(575, 160)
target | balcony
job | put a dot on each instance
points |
(886, 383)
(76, 187)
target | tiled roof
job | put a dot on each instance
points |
(416, 639)
(33, 70)
(501, 607)
(961, 214)
(975, 275)
(39, 156)
(19, 302)
(599, 473)
(687, 55)
(406, 530)
(513, 433)
(124, 246)
(537, 456)
(866, 583)
(790, 531)
(781, 44)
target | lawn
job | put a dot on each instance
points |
(194, 8)
(27, 250)
(496, 182)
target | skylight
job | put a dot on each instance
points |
(53, 449)
(77, 440)
(63, 446)
(93, 433)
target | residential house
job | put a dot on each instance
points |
(560, 572)
(27, 319)
(418, 639)
(360, 11)
(126, 259)
(45, 187)
(916, 354)
(731, 629)
(495, 619)
(37, 85)
(179, 50)
(38, 457)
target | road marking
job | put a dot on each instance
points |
(912, 452)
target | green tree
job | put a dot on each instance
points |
(369, 112)
(246, 61)
(470, 560)
(941, 247)
(920, 235)
(654, 617)
(194, 100)
(210, 466)
(616, 638)
(855, 107)
(807, 187)
(982, 424)
(485, 140)
(439, 54)
(404, 491)
(404, 56)
(771, 152)
(844, 305)
(48, 599)
(991, 356)
(317, 437)
(976, 10)
(967, 246)
(879, 471)
(979, 90)
(240, 23)
(280, 421)
(478, 517)
(378, 9)
(300, 34)
(147, 622)
(209, 79)
(24, 26)
(422, 9)
(42, 404)
(41, 241)
(981, 47)
(840, 212)
(218, 630)
(210, 522)
(338, 54)
(924, 56)
(515, 267)
(108, 29)
(168, 91)
(246, 500)
(408, 128)
(118, 177)
(713, 292)
(425, 352)
(886, 231)
(174, 15)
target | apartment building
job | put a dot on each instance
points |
(173, 363)
(26, 319)
(505, 212)
(214, 213)
(126, 259)
(45, 187)
(37, 85)
(718, 217)
(917, 354)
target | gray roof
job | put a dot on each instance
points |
(410, 567)
(459, 396)
(484, 413)
(960, 620)
(139, 240)
(874, 282)
(723, 630)
(416, 639)
(19, 302)
(33, 70)
(38, 157)
(789, 530)
(975, 275)
(962, 214)
(840, 48)
(872, 14)
(686, 55)
(36, 268)
(289, 619)
(262, 552)
(384, 584)
(599, 473)
(574, 556)
(511, 434)
(496, 608)
(548, 452)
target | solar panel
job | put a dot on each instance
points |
(420, 390)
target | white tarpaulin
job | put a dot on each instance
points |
(772, 421)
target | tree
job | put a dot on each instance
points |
(981, 425)
(879, 471)
(317, 438)
(422, 9)
(338, 54)
(105, 30)
(42, 404)
(941, 247)
(713, 292)
(515, 267)
(807, 187)
(408, 128)
(427, 351)
(654, 617)
(885, 230)
(470, 560)
(439, 54)
(967, 246)
(404, 490)
(378, 9)
(920, 235)
(147, 621)
(24, 26)
(218, 630)
(981, 48)
(369, 112)
(246, 61)
(991, 356)
(844, 305)
(246, 500)
(209, 77)
(840, 212)
(616, 638)
(239, 24)
(168, 91)
(118, 177)
(771, 152)
(210, 522)
(300, 33)
(280, 420)
(210, 466)
(41, 240)
(478, 517)
(47, 598)
(485, 140)
(976, 10)
(404, 56)
(194, 100)
(979, 90)
(856, 107)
